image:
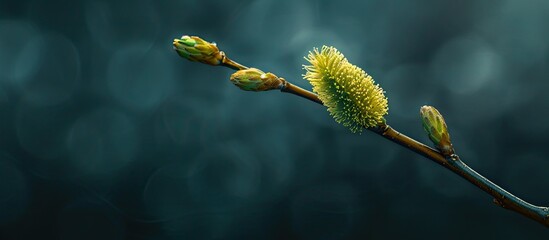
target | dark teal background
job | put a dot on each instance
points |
(106, 133)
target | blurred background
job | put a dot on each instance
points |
(106, 133)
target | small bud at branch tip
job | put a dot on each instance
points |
(436, 129)
(197, 50)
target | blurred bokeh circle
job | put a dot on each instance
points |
(466, 64)
(108, 23)
(101, 143)
(407, 90)
(57, 73)
(328, 211)
(166, 194)
(18, 60)
(224, 176)
(139, 77)
(41, 131)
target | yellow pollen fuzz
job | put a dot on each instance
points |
(351, 95)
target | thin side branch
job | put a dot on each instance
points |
(454, 164)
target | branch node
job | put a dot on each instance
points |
(498, 202)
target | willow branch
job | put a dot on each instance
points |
(446, 158)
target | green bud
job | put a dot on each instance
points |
(253, 79)
(197, 50)
(436, 129)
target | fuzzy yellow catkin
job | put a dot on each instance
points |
(351, 95)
